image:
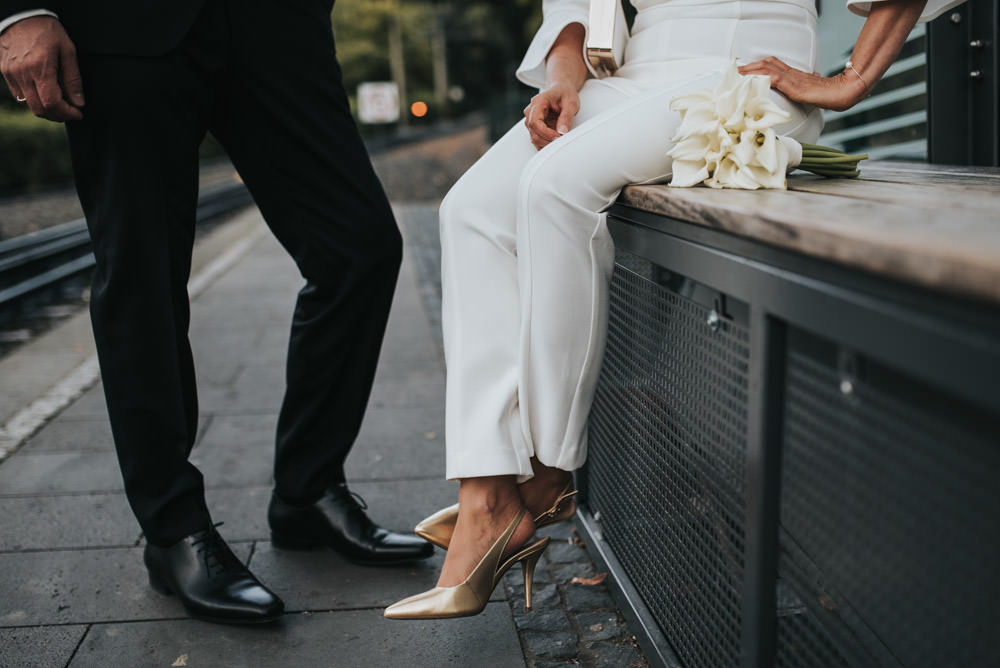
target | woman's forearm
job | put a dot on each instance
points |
(564, 64)
(880, 40)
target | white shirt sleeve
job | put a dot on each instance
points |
(556, 15)
(934, 8)
(20, 16)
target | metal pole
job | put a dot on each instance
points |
(758, 643)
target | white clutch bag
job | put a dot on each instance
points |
(606, 37)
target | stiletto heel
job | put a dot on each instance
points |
(439, 527)
(470, 597)
(528, 566)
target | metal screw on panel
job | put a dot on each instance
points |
(956, 18)
(714, 320)
(846, 387)
(976, 74)
(976, 44)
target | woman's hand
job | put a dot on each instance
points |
(881, 37)
(550, 113)
(838, 92)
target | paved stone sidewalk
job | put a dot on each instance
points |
(73, 590)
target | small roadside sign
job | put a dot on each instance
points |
(378, 102)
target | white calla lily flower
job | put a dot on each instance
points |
(726, 137)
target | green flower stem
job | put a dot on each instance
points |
(830, 162)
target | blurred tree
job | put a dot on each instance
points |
(484, 40)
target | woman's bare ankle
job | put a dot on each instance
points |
(489, 498)
(486, 509)
(540, 492)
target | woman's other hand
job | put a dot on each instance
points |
(550, 113)
(838, 92)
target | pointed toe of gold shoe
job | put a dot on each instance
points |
(438, 528)
(437, 603)
(470, 597)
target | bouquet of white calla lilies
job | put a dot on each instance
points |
(726, 139)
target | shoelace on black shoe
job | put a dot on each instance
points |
(347, 493)
(217, 555)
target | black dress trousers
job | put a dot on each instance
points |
(260, 75)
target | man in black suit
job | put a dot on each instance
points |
(262, 76)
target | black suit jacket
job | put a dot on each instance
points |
(122, 27)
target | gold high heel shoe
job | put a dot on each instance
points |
(470, 597)
(439, 527)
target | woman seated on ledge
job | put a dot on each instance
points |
(527, 258)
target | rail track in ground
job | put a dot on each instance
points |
(54, 265)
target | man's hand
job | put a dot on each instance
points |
(38, 60)
(550, 114)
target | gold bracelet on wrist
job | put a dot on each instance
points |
(850, 66)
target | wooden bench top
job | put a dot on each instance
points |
(931, 225)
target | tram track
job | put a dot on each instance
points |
(54, 264)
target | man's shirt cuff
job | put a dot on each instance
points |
(20, 16)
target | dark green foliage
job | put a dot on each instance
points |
(33, 153)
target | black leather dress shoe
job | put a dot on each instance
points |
(338, 521)
(211, 582)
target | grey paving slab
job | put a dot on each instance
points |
(401, 426)
(33, 473)
(238, 463)
(39, 647)
(82, 586)
(225, 430)
(321, 580)
(70, 521)
(399, 442)
(34, 374)
(243, 511)
(257, 388)
(221, 366)
(67, 434)
(355, 638)
(420, 387)
(419, 459)
(89, 405)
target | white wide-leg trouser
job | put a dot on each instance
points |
(526, 266)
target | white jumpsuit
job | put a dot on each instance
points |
(526, 254)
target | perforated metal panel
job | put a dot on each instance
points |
(667, 449)
(890, 493)
(802, 642)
